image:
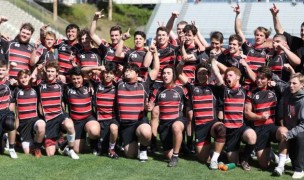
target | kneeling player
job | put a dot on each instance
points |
(51, 95)
(79, 98)
(260, 108)
(31, 128)
(204, 99)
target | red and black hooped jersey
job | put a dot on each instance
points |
(20, 54)
(263, 101)
(131, 100)
(170, 102)
(167, 56)
(5, 94)
(91, 57)
(50, 95)
(26, 100)
(45, 55)
(79, 102)
(255, 55)
(64, 52)
(137, 56)
(105, 101)
(110, 55)
(204, 102)
(276, 64)
(234, 102)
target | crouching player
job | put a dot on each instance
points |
(30, 127)
(78, 97)
(260, 108)
(204, 99)
(51, 100)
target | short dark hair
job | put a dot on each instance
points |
(110, 67)
(266, 71)
(131, 66)
(173, 71)
(302, 24)
(3, 63)
(116, 28)
(72, 26)
(237, 38)
(280, 36)
(190, 27)
(162, 28)
(141, 33)
(52, 64)
(182, 23)
(28, 26)
(22, 72)
(217, 35)
(76, 71)
(205, 65)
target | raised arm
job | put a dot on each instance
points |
(94, 36)
(155, 69)
(249, 71)
(238, 23)
(276, 21)
(170, 23)
(215, 69)
(293, 59)
(119, 49)
(34, 57)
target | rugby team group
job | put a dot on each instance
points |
(62, 94)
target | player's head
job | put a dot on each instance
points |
(302, 31)
(3, 69)
(24, 77)
(26, 31)
(168, 75)
(109, 74)
(76, 76)
(202, 72)
(264, 75)
(232, 77)
(216, 40)
(84, 38)
(235, 42)
(71, 32)
(52, 68)
(179, 28)
(162, 36)
(139, 39)
(49, 39)
(115, 34)
(131, 72)
(190, 32)
(278, 39)
(296, 82)
(260, 35)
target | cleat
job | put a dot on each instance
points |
(71, 153)
(245, 166)
(12, 153)
(142, 156)
(213, 165)
(278, 171)
(298, 175)
(173, 161)
(112, 154)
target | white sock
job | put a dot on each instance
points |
(112, 146)
(282, 159)
(215, 156)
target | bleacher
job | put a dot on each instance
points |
(219, 16)
(16, 17)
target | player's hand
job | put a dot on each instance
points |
(43, 29)
(120, 67)
(99, 15)
(126, 35)
(175, 14)
(5, 37)
(13, 82)
(102, 68)
(13, 65)
(153, 48)
(243, 62)
(194, 24)
(288, 68)
(3, 19)
(160, 24)
(41, 66)
(272, 84)
(274, 10)
(236, 9)
(37, 44)
(265, 115)
(213, 54)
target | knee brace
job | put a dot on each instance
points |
(220, 133)
(9, 122)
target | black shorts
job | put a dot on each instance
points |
(203, 133)
(265, 135)
(6, 115)
(128, 131)
(53, 126)
(26, 129)
(234, 137)
(165, 132)
(80, 132)
(105, 129)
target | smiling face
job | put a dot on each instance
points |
(162, 38)
(72, 34)
(139, 41)
(261, 80)
(234, 47)
(25, 35)
(108, 76)
(180, 28)
(51, 73)
(115, 36)
(77, 81)
(189, 38)
(24, 80)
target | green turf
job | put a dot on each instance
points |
(93, 167)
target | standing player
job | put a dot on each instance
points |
(53, 110)
(131, 98)
(260, 108)
(292, 115)
(234, 103)
(30, 127)
(204, 99)
(296, 44)
(7, 116)
(79, 100)
(106, 109)
(3, 42)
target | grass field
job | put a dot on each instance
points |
(102, 167)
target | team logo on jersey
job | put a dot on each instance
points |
(197, 90)
(133, 56)
(111, 50)
(101, 88)
(93, 56)
(17, 45)
(44, 86)
(175, 95)
(63, 48)
(270, 95)
(32, 93)
(82, 56)
(85, 91)
(163, 95)
(72, 91)
(263, 53)
(239, 93)
(21, 93)
(56, 86)
(1, 51)
(29, 48)
(257, 97)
